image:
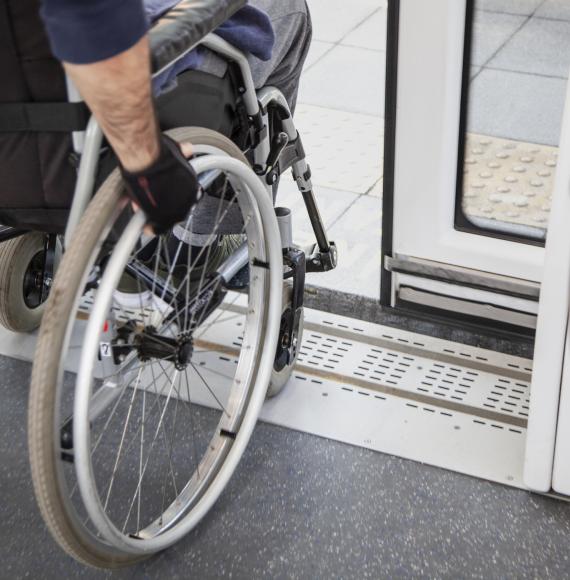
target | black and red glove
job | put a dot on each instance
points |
(167, 189)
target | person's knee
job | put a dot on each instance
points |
(278, 9)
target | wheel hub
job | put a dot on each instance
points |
(184, 353)
(36, 282)
(178, 350)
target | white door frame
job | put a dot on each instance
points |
(430, 71)
(547, 458)
(428, 112)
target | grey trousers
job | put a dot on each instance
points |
(291, 22)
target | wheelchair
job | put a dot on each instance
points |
(156, 353)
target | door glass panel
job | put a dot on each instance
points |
(519, 67)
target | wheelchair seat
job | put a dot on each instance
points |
(200, 99)
(182, 27)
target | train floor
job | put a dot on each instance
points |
(301, 506)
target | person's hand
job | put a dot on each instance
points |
(187, 149)
(167, 189)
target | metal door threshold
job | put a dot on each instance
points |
(437, 402)
(421, 398)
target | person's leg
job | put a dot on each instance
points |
(291, 23)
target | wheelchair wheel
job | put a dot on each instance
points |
(140, 408)
(21, 299)
(281, 374)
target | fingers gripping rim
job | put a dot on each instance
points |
(46, 369)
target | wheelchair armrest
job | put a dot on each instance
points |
(182, 27)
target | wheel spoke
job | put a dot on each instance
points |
(122, 440)
(192, 425)
(209, 389)
(141, 455)
(166, 443)
(206, 248)
(152, 445)
(177, 252)
(170, 268)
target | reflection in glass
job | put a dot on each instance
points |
(516, 97)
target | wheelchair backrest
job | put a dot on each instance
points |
(37, 162)
(36, 177)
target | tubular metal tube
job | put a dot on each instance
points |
(285, 226)
(234, 263)
(85, 177)
(271, 94)
(220, 46)
(73, 96)
(316, 221)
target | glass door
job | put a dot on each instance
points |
(516, 89)
(474, 148)
(473, 136)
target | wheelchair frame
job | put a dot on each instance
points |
(273, 145)
(270, 159)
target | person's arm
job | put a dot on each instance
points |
(104, 48)
(118, 92)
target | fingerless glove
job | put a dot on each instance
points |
(167, 189)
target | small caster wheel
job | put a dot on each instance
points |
(282, 372)
(23, 290)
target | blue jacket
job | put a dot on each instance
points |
(83, 31)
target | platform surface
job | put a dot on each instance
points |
(300, 506)
(389, 390)
(520, 64)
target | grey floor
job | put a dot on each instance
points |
(304, 507)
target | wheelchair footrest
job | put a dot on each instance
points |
(318, 261)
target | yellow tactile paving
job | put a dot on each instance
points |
(508, 181)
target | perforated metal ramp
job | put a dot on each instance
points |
(430, 400)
